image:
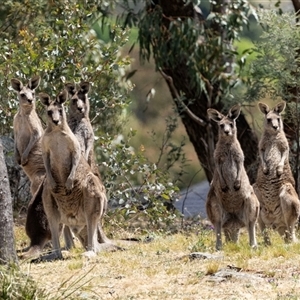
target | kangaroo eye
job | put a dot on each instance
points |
(74, 101)
(269, 120)
(222, 125)
(231, 125)
(49, 112)
(60, 111)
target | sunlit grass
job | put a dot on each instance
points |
(163, 268)
(212, 267)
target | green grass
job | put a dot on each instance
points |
(17, 285)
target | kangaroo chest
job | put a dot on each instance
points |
(228, 159)
(61, 151)
(24, 128)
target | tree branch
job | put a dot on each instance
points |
(178, 98)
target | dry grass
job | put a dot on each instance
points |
(162, 269)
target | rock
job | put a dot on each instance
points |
(225, 274)
(202, 255)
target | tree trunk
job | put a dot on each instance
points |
(203, 137)
(7, 244)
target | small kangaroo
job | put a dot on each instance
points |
(72, 194)
(231, 202)
(28, 131)
(274, 186)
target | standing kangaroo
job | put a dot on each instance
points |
(79, 122)
(231, 202)
(274, 187)
(72, 194)
(28, 131)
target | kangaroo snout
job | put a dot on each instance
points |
(56, 122)
(80, 109)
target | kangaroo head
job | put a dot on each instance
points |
(26, 93)
(79, 103)
(227, 125)
(273, 121)
(55, 110)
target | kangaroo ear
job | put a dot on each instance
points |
(264, 108)
(16, 84)
(71, 88)
(280, 107)
(34, 82)
(62, 97)
(234, 112)
(214, 115)
(45, 99)
(85, 87)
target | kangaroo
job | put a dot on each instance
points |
(274, 186)
(28, 131)
(79, 121)
(231, 202)
(72, 194)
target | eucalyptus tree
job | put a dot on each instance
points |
(7, 245)
(195, 55)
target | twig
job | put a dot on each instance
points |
(169, 79)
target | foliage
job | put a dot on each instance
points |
(137, 187)
(276, 64)
(275, 72)
(204, 45)
(62, 46)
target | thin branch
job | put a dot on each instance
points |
(169, 79)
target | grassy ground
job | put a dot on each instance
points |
(163, 269)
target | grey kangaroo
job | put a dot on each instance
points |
(231, 202)
(72, 194)
(28, 131)
(79, 121)
(80, 124)
(274, 187)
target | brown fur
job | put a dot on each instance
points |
(279, 203)
(231, 202)
(72, 194)
(28, 131)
